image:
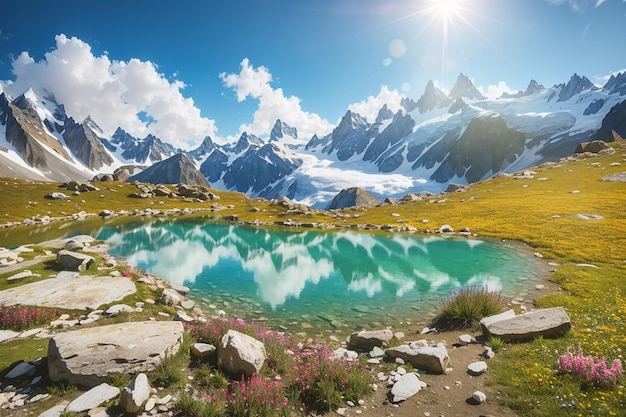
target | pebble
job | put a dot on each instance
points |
(477, 368)
(479, 397)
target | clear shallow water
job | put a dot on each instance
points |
(317, 279)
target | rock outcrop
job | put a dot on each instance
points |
(239, 354)
(352, 197)
(89, 356)
(70, 292)
(548, 323)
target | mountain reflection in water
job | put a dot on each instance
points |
(292, 270)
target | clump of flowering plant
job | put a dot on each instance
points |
(20, 317)
(591, 368)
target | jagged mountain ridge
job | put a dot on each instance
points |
(440, 138)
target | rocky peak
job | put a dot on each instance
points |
(206, 147)
(433, 98)
(464, 88)
(384, 114)
(93, 126)
(533, 87)
(282, 129)
(4, 107)
(616, 84)
(408, 104)
(244, 142)
(575, 85)
(85, 144)
(350, 121)
(177, 169)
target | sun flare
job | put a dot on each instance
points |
(445, 10)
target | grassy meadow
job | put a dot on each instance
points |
(589, 258)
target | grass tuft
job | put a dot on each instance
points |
(467, 307)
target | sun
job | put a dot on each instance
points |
(445, 10)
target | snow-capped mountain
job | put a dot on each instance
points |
(460, 137)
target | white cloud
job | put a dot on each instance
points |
(577, 5)
(113, 92)
(495, 91)
(602, 79)
(370, 107)
(255, 83)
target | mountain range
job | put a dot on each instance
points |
(442, 138)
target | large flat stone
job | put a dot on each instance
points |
(547, 322)
(432, 359)
(81, 293)
(88, 357)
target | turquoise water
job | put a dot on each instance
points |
(317, 279)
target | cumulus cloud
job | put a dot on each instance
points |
(273, 104)
(114, 93)
(495, 91)
(369, 108)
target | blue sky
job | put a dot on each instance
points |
(187, 69)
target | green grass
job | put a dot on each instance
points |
(467, 307)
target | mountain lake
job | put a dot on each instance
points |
(318, 280)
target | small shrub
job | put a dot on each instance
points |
(170, 370)
(496, 344)
(467, 307)
(207, 378)
(61, 388)
(197, 405)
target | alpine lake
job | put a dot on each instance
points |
(314, 280)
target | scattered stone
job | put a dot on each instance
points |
(432, 359)
(170, 297)
(93, 398)
(588, 217)
(180, 316)
(618, 177)
(203, 351)
(8, 335)
(549, 323)
(466, 339)
(79, 242)
(187, 304)
(345, 354)
(594, 146)
(150, 404)
(539, 287)
(446, 228)
(89, 356)
(239, 354)
(114, 310)
(135, 394)
(478, 397)
(181, 289)
(21, 275)
(57, 196)
(74, 260)
(477, 368)
(407, 386)
(376, 352)
(488, 353)
(366, 340)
